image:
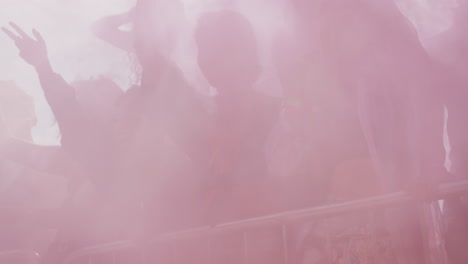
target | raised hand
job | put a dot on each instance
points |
(107, 29)
(33, 51)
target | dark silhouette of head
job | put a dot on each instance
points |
(227, 51)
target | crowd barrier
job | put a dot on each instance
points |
(281, 221)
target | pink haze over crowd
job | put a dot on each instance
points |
(127, 120)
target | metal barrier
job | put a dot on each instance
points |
(19, 256)
(281, 219)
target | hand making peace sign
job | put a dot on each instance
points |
(33, 51)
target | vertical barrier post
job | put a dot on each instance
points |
(284, 235)
(328, 248)
(174, 252)
(114, 257)
(142, 254)
(209, 256)
(245, 249)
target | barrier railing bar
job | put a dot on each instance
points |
(100, 249)
(388, 200)
(32, 256)
(376, 202)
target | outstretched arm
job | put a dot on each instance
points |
(59, 95)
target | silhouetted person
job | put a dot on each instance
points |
(450, 48)
(319, 110)
(162, 139)
(162, 23)
(243, 116)
(377, 53)
(238, 181)
(320, 120)
(159, 135)
(83, 117)
(146, 153)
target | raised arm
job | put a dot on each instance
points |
(59, 95)
(107, 29)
